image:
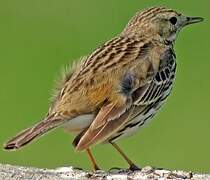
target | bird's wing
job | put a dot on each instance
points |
(109, 119)
(108, 60)
(116, 111)
(113, 115)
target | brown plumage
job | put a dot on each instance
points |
(112, 92)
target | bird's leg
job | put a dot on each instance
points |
(93, 161)
(133, 167)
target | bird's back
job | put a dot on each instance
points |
(98, 77)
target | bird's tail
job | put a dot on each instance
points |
(26, 136)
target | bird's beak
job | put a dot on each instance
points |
(192, 20)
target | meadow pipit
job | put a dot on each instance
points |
(116, 89)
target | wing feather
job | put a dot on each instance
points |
(109, 119)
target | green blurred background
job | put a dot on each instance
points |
(38, 38)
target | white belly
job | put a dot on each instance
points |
(79, 123)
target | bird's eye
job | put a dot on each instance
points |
(173, 20)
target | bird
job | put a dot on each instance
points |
(115, 90)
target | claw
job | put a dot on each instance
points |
(133, 167)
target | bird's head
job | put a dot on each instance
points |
(159, 21)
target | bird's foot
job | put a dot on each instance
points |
(96, 168)
(133, 167)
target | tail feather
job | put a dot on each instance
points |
(30, 134)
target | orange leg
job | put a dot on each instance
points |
(133, 167)
(95, 166)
